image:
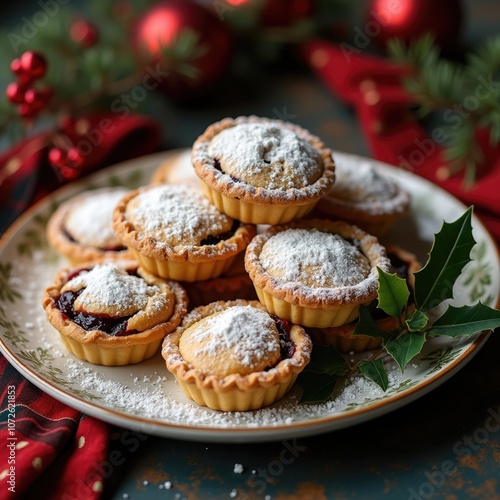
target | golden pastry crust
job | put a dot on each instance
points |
(181, 260)
(233, 284)
(321, 306)
(240, 199)
(365, 197)
(235, 392)
(341, 337)
(60, 237)
(162, 312)
(177, 170)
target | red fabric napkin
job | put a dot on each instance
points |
(103, 139)
(373, 86)
(45, 446)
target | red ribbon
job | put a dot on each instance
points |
(373, 86)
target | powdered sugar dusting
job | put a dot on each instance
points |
(266, 155)
(110, 287)
(314, 258)
(90, 220)
(359, 181)
(176, 215)
(240, 337)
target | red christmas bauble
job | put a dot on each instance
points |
(188, 41)
(411, 19)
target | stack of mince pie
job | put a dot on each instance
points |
(139, 257)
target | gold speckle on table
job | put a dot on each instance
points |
(487, 490)
(37, 463)
(21, 445)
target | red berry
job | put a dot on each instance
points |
(57, 157)
(84, 33)
(33, 64)
(15, 92)
(27, 110)
(74, 158)
(15, 67)
(69, 173)
(34, 98)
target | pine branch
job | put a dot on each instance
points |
(441, 84)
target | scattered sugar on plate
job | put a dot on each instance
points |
(238, 469)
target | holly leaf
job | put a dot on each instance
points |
(465, 320)
(417, 321)
(366, 325)
(449, 254)
(327, 360)
(405, 347)
(393, 293)
(316, 387)
(375, 371)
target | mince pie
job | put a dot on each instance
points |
(177, 169)
(81, 228)
(262, 171)
(315, 273)
(362, 195)
(113, 313)
(235, 356)
(176, 233)
(404, 264)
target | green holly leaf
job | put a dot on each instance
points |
(465, 320)
(449, 254)
(366, 325)
(327, 360)
(316, 387)
(417, 321)
(375, 371)
(405, 347)
(393, 293)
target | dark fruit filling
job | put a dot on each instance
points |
(118, 248)
(287, 347)
(213, 240)
(116, 327)
(219, 168)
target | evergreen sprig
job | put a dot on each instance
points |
(440, 84)
(417, 314)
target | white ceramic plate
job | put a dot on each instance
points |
(145, 397)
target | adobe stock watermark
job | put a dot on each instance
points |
(454, 118)
(31, 25)
(284, 114)
(363, 36)
(262, 477)
(10, 473)
(468, 444)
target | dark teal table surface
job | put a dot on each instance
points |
(444, 445)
